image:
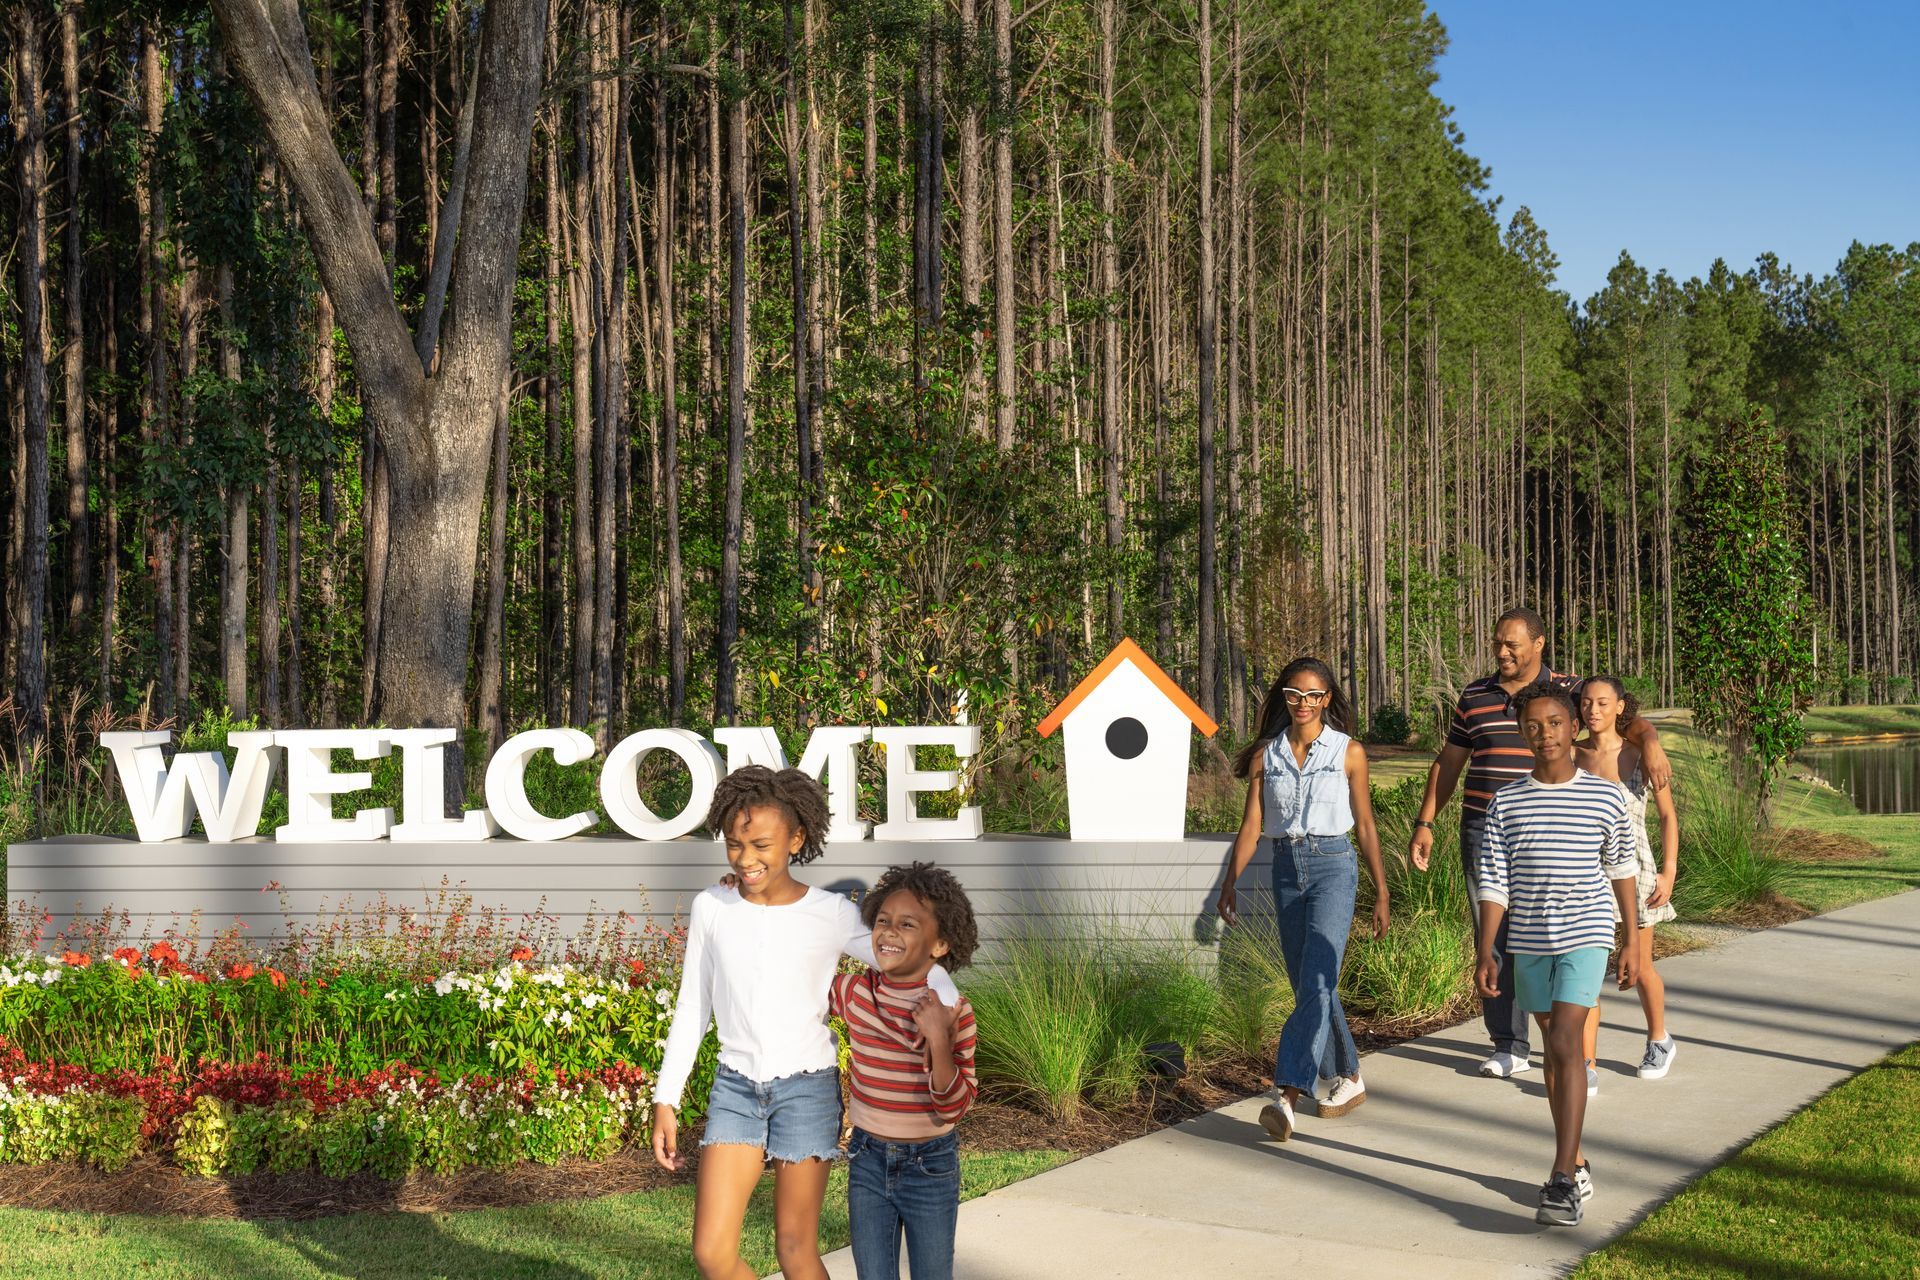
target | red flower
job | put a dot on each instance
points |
(238, 971)
(163, 953)
(130, 957)
(78, 959)
(276, 977)
(521, 954)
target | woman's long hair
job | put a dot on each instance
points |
(1272, 719)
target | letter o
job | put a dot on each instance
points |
(620, 782)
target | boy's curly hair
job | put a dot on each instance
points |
(943, 895)
(802, 799)
(1552, 693)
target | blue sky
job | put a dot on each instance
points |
(1692, 129)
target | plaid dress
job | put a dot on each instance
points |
(1647, 873)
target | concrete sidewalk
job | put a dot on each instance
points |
(1438, 1174)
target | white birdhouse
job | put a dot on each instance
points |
(1127, 746)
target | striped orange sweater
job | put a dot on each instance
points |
(890, 1082)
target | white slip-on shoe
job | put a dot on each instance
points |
(1345, 1096)
(1659, 1058)
(1503, 1065)
(1277, 1119)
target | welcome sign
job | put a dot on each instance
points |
(1127, 735)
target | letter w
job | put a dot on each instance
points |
(163, 798)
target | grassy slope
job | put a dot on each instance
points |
(640, 1235)
(1861, 721)
(1833, 1192)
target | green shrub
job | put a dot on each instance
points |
(203, 1144)
(1417, 972)
(1389, 725)
(1856, 690)
(1725, 864)
(1253, 997)
(1900, 689)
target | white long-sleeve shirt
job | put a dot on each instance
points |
(762, 975)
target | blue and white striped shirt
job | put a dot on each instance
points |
(1550, 850)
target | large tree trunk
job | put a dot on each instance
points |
(1005, 387)
(156, 396)
(732, 529)
(492, 675)
(29, 132)
(1113, 492)
(1209, 339)
(73, 351)
(664, 287)
(234, 565)
(436, 429)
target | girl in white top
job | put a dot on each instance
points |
(1607, 708)
(761, 954)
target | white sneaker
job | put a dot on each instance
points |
(1659, 1058)
(1593, 1080)
(1277, 1119)
(1502, 1065)
(1343, 1097)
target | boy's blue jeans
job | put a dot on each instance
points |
(896, 1188)
(1314, 879)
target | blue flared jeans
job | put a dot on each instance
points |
(1314, 879)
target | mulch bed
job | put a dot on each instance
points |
(1803, 845)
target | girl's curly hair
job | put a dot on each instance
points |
(943, 895)
(799, 797)
(1629, 705)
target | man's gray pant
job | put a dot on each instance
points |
(1506, 1022)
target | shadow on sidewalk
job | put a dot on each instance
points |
(1488, 1219)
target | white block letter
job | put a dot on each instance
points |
(750, 745)
(904, 780)
(831, 750)
(423, 791)
(620, 783)
(507, 783)
(163, 799)
(312, 784)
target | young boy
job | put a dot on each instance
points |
(1554, 840)
(911, 1074)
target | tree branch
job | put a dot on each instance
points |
(266, 42)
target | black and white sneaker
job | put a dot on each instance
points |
(1583, 1179)
(1559, 1203)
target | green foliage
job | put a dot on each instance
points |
(1389, 725)
(100, 1131)
(1741, 600)
(1726, 864)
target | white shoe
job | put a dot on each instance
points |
(1659, 1058)
(1583, 1180)
(1343, 1097)
(1324, 1085)
(1593, 1081)
(1277, 1119)
(1503, 1065)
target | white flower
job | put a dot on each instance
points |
(393, 995)
(443, 984)
(504, 982)
(661, 998)
(566, 1019)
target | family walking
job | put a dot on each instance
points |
(1556, 855)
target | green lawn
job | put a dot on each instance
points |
(1833, 1192)
(1862, 721)
(641, 1235)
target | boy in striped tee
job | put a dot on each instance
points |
(1558, 856)
(910, 1074)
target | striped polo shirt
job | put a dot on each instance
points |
(890, 1089)
(1485, 723)
(1549, 853)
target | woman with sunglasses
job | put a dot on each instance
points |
(1307, 792)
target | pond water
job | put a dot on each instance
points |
(1881, 777)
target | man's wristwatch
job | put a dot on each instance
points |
(1422, 822)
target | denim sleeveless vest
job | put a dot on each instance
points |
(1310, 799)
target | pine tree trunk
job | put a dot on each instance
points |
(73, 350)
(493, 719)
(665, 286)
(1208, 356)
(1112, 441)
(725, 702)
(29, 132)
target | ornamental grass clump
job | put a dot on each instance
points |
(1727, 866)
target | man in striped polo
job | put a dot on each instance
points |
(1558, 858)
(1485, 741)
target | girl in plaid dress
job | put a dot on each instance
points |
(1607, 708)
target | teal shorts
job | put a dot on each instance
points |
(1574, 977)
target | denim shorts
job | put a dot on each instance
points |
(792, 1118)
(1573, 977)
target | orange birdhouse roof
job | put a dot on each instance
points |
(1126, 651)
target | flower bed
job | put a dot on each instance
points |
(355, 1071)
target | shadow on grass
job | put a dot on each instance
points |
(1671, 1257)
